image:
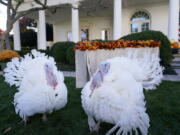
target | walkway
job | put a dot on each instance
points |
(173, 77)
(66, 73)
(166, 77)
(69, 74)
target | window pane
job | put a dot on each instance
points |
(85, 34)
(134, 27)
(140, 15)
(144, 26)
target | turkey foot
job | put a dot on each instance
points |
(93, 126)
(44, 117)
(112, 130)
(25, 121)
(97, 127)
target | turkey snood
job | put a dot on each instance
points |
(50, 77)
(99, 76)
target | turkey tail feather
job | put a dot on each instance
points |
(150, 64)
(13, 73)
(16, 68)
(153, 71)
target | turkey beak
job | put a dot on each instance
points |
(104, 68)
(99, 76)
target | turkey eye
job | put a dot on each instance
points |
(56, 95)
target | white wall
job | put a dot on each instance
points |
(158, 13)
(94, 24)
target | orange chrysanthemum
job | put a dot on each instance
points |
(8, 54)
(93, 45)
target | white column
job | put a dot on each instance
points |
(75, 23)
(173, 26)
(117, 28)
(17, 40)
(38, 42)
(42, 30)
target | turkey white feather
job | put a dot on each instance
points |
(115, 95)
(41, 87)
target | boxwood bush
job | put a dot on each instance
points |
(165, 49)
(24, 51)
(70, 55)
(59, 50)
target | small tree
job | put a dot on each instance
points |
(25, 22)
(13, 15)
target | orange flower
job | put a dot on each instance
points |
(8, 54)
(93, 45)
(175, 45)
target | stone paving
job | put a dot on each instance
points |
(66, 73)
(173, 77)
(69, 74)
(166, 77)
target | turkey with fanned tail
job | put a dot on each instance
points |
(115, 95)
(41, 87)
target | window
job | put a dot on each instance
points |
(104, 35)
(140, 21)
(84, 34)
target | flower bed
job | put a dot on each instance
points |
(94, 45)
(175, 44)
(8, 54)
(5, 56)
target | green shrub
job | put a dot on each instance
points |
(70, 55)
(58, 51)
(24, 51)
(165, 49)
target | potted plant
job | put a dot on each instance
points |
(89, 54)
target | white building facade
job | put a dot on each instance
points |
(104, 19)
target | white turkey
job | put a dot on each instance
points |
(41, 87)
(115, 95)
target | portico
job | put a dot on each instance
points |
(108, 20)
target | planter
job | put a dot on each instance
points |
(88, 61)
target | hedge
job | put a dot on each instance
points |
(24, 51)
(59, 50)
(165, 49)
(70, 55)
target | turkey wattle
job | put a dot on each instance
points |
(115, 95)
(41, 87)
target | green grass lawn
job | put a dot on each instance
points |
(163, 108)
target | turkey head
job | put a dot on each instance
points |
(99, 76)
(50, 76)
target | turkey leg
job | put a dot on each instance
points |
(93, 126)
(44, 117)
